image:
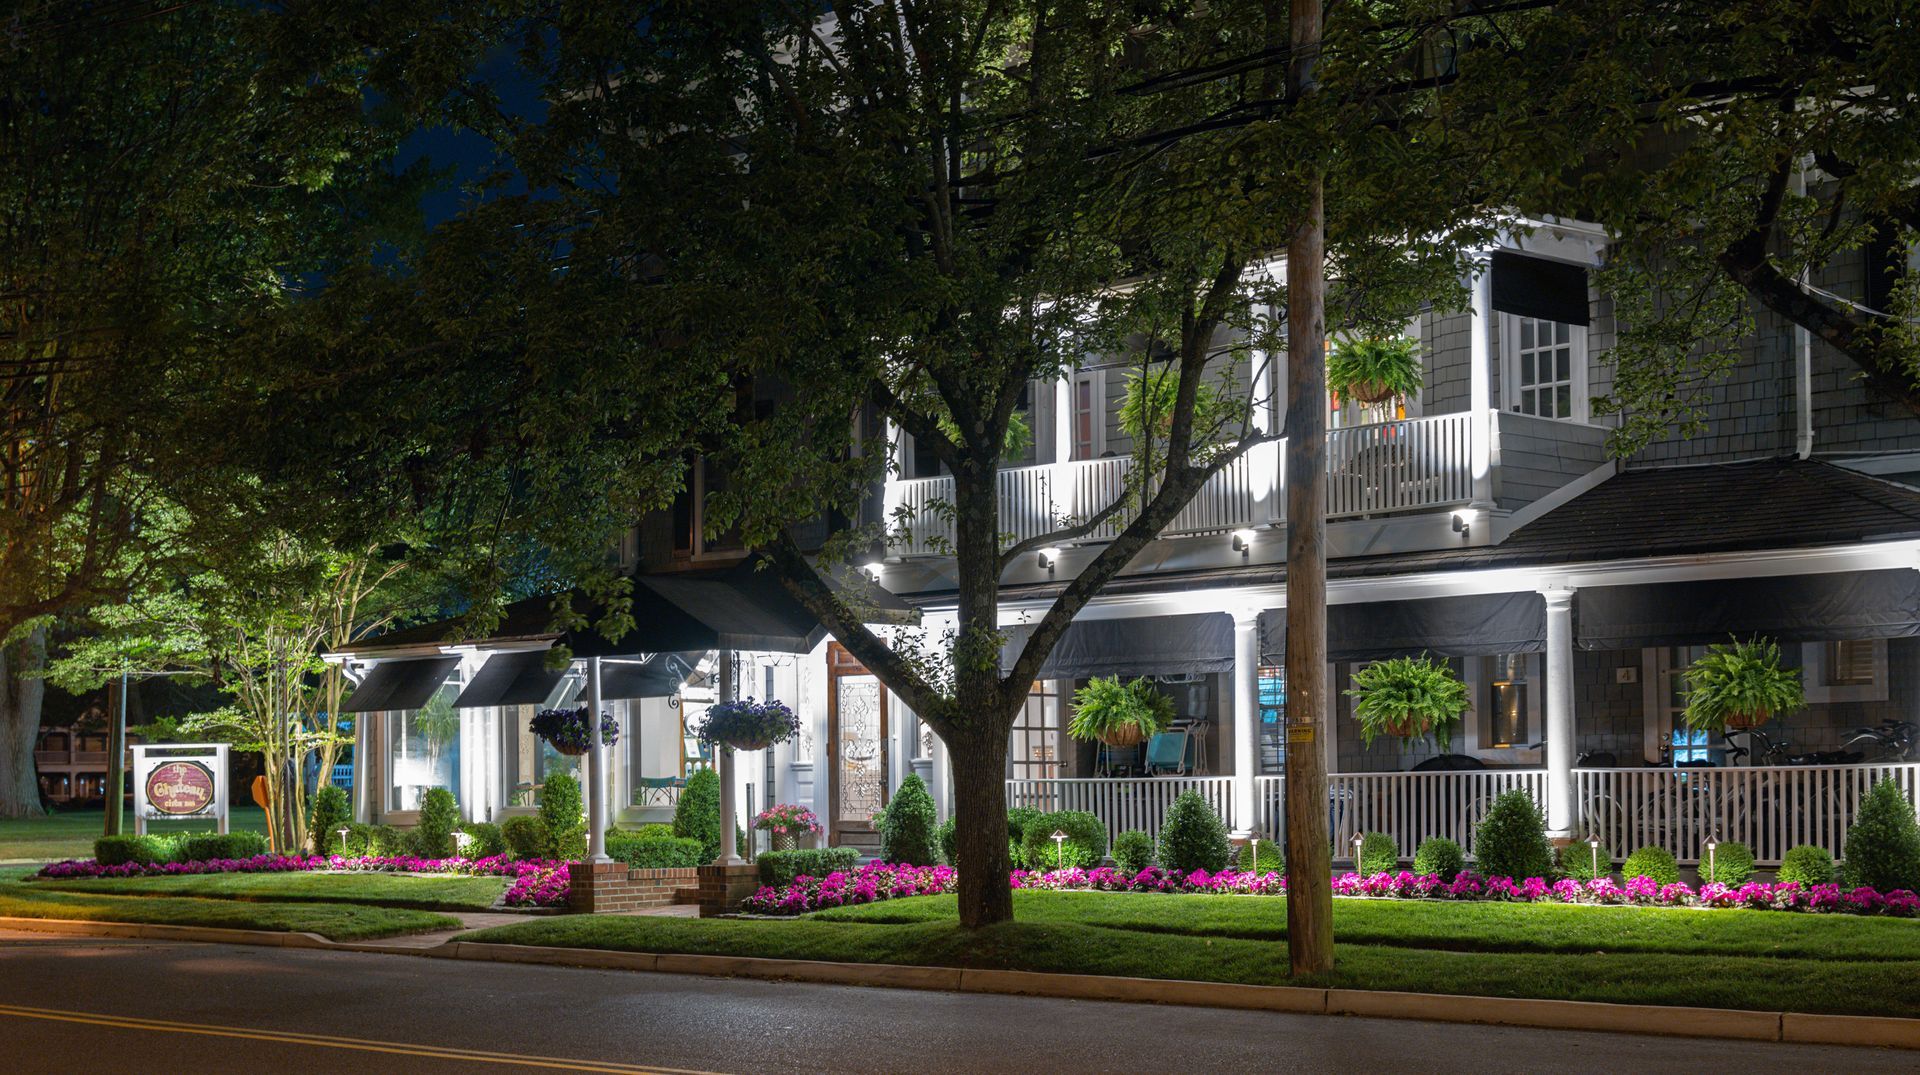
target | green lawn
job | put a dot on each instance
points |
(439, 893)
(339, 921)
(70, 834)
(1734, 959)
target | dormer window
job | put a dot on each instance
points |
(1543, 335)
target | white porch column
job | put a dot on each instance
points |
(596, 770)
(1560, 735)
(1246, 719)
(1063, 418)
(363, 770)
(723, 767)
(1269, 498)
(1480, 386)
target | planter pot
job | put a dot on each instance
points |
(569, 751)
(1749, 720)
(743, 743)
(1371, 391)
(784, 842)
(1406, 728)
(1124, 735)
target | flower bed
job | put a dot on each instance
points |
(869, 884)
(536, 882)
(1406, 885)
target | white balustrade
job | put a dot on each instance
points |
(1122, 803)
(1399, 466)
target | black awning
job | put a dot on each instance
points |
(1468, 626)
(1196, 644)
(1788, 608)
(516, 677)
(660, 676)
(400, 684)
(1536, 287)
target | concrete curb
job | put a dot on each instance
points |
(1734, 1023)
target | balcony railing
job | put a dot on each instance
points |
(1409, 465)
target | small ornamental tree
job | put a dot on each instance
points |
(1193, 836)
(907, 835)
(432, 838)
(1883, 844)
(563, 815)
(331, 813)
(697, 815)
(1512, 839)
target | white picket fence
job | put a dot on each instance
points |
(1770, 809)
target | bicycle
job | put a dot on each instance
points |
(1893, 740)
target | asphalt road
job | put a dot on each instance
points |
(74, 1004)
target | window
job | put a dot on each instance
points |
(1089, 421)
(423, 751)
(1545, 367)
(1035, 750)
(1273, 717)
(531, 759)
(1668, 739)
(1510, 698)
(1854, 670)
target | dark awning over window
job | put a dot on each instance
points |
(400, 684)
(1474, 625)
(1536, 287)
(1791, 608)
(661, 676)
(518, 677)
(1198, 644)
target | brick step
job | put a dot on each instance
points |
(687, 896)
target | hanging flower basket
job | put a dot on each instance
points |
(746, 724)
(567, 730)
(1124, 735)
(1406, 726)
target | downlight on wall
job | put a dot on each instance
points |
(1463, 521)
(1243, 541)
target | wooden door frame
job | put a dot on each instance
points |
(842, 663)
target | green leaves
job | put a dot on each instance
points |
(1408, 697)
(1104, 706)
(1740, 681)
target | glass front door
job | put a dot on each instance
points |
(860, 751)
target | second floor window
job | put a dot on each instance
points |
(1545, 367)
(1089, 414)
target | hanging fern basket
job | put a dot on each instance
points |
(1749, 720)
(1124, 735)
(1407, 726)
(1371, 391)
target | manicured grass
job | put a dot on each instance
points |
(1587, 955)
(70, 834)
(438, 893)
(341, 922)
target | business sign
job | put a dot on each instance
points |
(179, 782)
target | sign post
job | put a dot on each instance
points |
(179, 782)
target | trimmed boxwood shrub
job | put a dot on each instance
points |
(125, 848)
(1439, 857)
(1807, 865)
(1085, 846)
(697, 815)
(439, 815)
(1018, 818)
(1512, 839)
(1883, 844)
(944, 836)
(1193, 836)
(208, 846)
(374, 840)
(1576, 861)
(563, 816)
(526, 836)
(1378, 854)
(483, 840)
(1260, 855)
(1132, 851)
(779, 868)
(648, 851)
(1654, 863)
(906, 835)
(331, 812)
(1732, 864)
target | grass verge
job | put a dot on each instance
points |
(69, 834)
(441, 893)
(340, 922)
(923, 933)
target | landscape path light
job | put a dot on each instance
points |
(1593, 845)
(343, 841)
(1712, 844)
(1059, 849)
(1358, 839)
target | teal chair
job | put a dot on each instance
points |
(1167, 753)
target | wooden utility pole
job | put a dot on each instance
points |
(1309, 869)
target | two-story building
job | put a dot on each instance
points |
(1482, 521)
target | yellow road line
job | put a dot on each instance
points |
(328, 1041)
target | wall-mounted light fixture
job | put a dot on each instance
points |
(873, 569)
(1243, 541)
(1046, 559)
(1463, 522)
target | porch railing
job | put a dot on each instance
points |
(1123, 803)
(1768, 808)
(1371, 469)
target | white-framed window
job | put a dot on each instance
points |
(1034, 753)
(423, 750)
(1854, 670)
(1544, 366)
(1089, 417)
(1666, 736)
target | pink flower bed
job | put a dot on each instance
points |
(869, 884)
(536, 882)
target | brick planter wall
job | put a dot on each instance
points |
(722, 888)
(607, 887)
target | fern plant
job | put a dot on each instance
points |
(1740, 685)
(1408, 698)
(1374, 370)
(1119, 714)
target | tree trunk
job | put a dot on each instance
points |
(20, 698)
(980, 830)
(1309, 869)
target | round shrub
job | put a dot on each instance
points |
(330, 813)
(1132, 851)
(944, 836)
(1085, 846)
(125, 848)
(1654, 863)
(1577, 861)
(526, 836)
(1807, 865)
(483, 840)
(1018, 818)
(1512, 839)
(1732, 864)
(439, 815)
(907, 834)
(1193, 836)
(1883, 844)
(1260, 855)
(697, 815)
(1378, 854)
(1439, 857)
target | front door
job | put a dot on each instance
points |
(857, 751)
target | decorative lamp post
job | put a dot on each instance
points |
(1059, 849)
(343, 841)
(1712, 844)
(1358, 839)
(1593, 846)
